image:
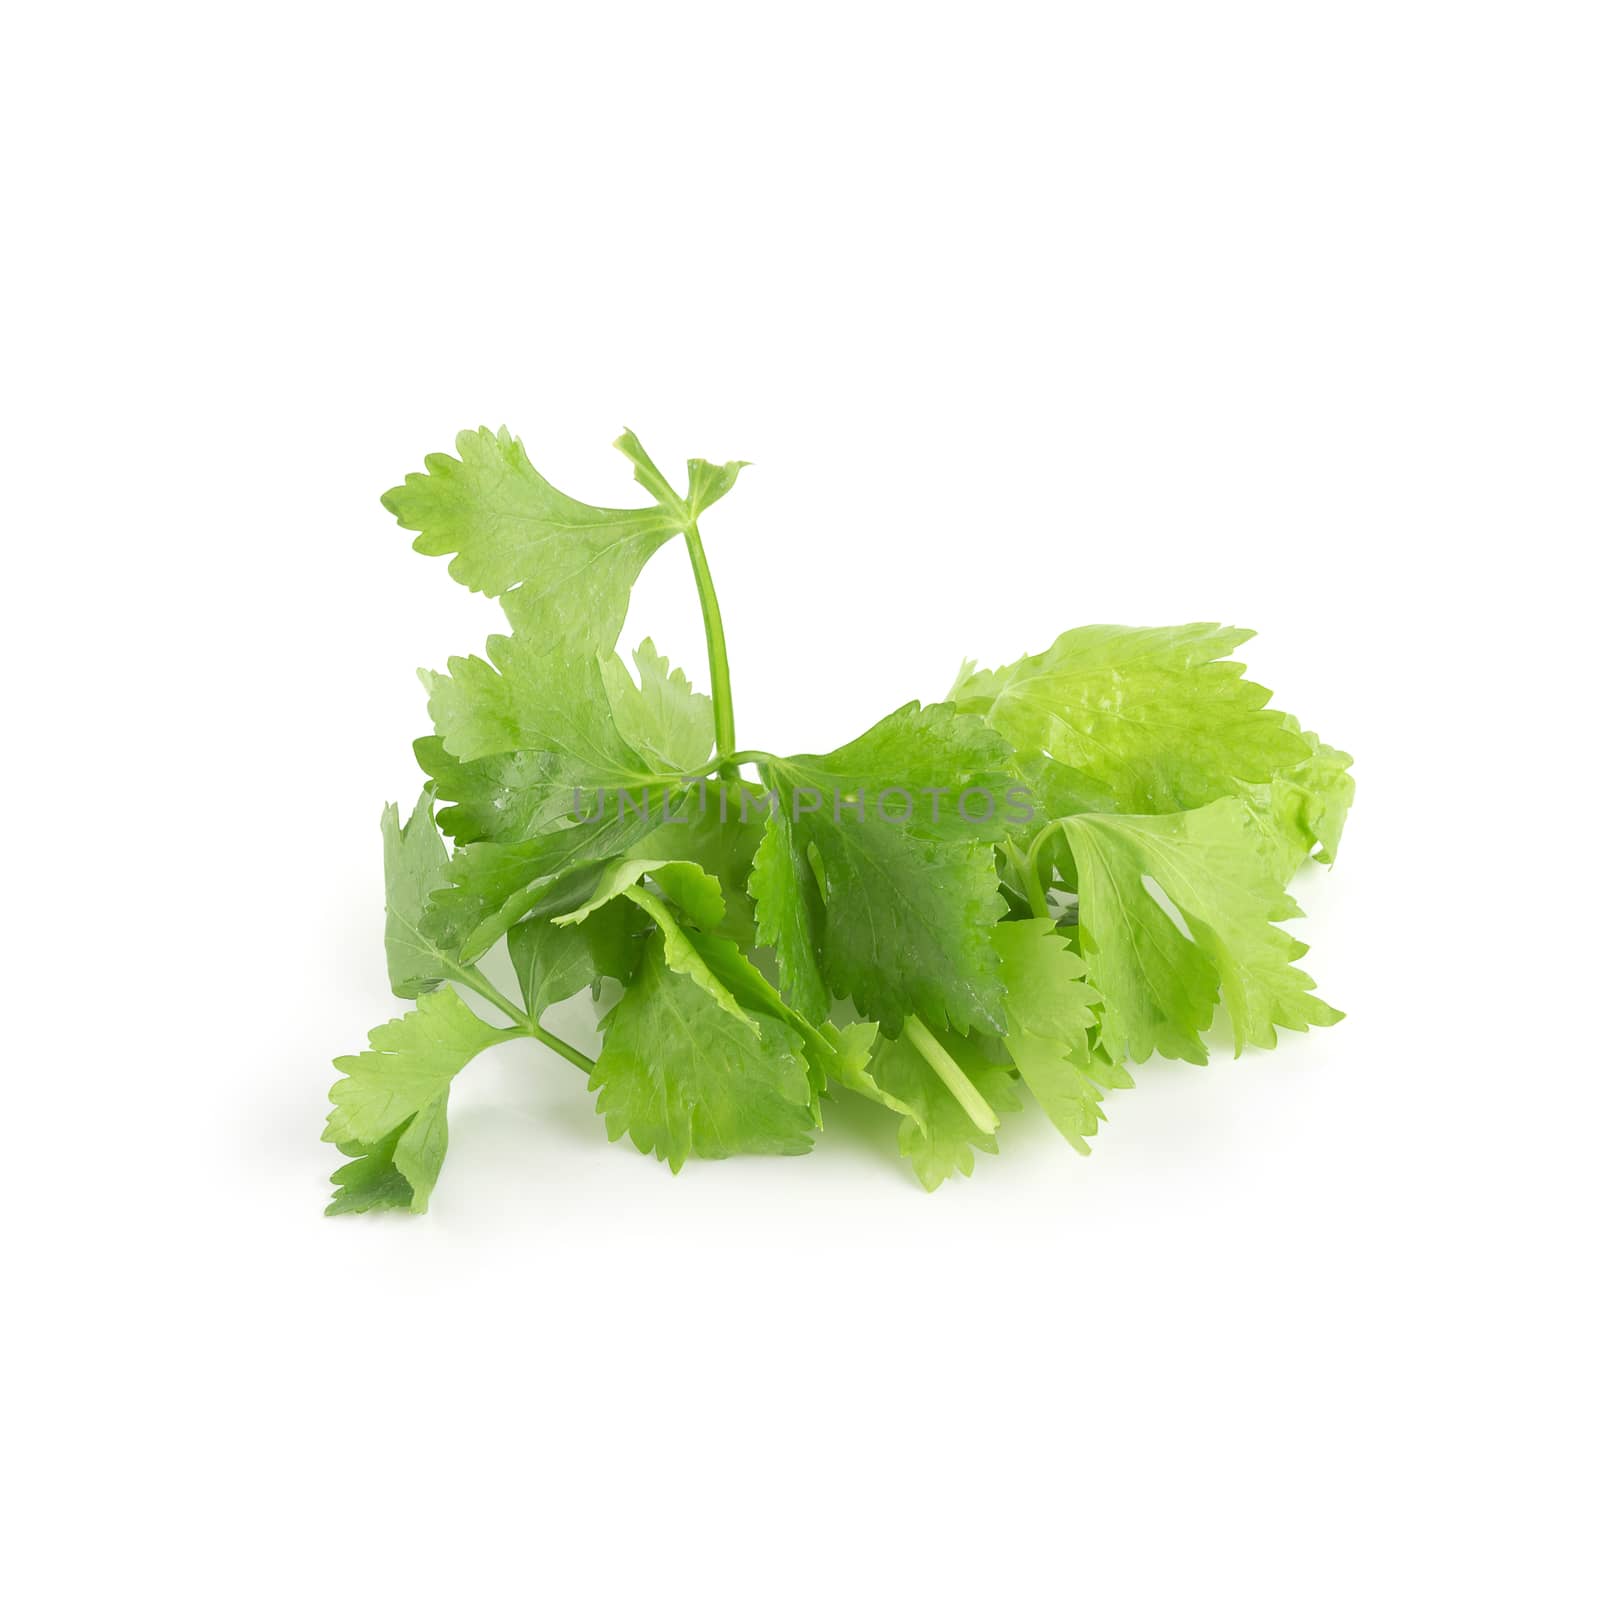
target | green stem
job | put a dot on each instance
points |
(739, 758)
(475, 980)
(717, 650)
(583, 1063)
(1040, 840)
(951, 1075)
(1025, 869)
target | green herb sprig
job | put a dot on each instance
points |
(1060, 868)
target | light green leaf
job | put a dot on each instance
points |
(1050, 1014)
(400, 1170)
(412, 1059)
(722, 969)
(1152, 713)
(415, 864)
(1160, 983)
(507, 797)
(932, 755)
(389, 1107)
(1303, 807)
(682, 954)
(494, 885)
(840, 1054)
(708, 482)
(901, 917)
(852, 1067)
(789, 915)
(709, 831)
(553, 962)
(661, 717)
(936, 1135)
(686, 882)
(680, 1074)
(529, 697)
(906, 923)
(372, 1182)
(563, 569)
(420, 1151)
(690, 887)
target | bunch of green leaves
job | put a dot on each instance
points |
(759, 953)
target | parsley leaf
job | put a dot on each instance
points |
(788, 902)
(563, 569)
(1155, 714)
(513, 795)
(372, 1182)
(554, 960)
(494, 886)
(1160, 981)
(415, 864)
(937, 1136)
(1050, 1014)
(683, 1073)
(875, 884)
(706, 827)
(660, 716)
(389, 1108)
(1301, 812)
(411, 1063)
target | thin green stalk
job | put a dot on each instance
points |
(475, 980)
(717, 650)
(1040, 839)
(738, 758)
(1025, 869)
(951, 1075)
(583, 1063)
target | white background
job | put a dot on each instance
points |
(1279, 315)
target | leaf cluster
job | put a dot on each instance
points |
(765, 933)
